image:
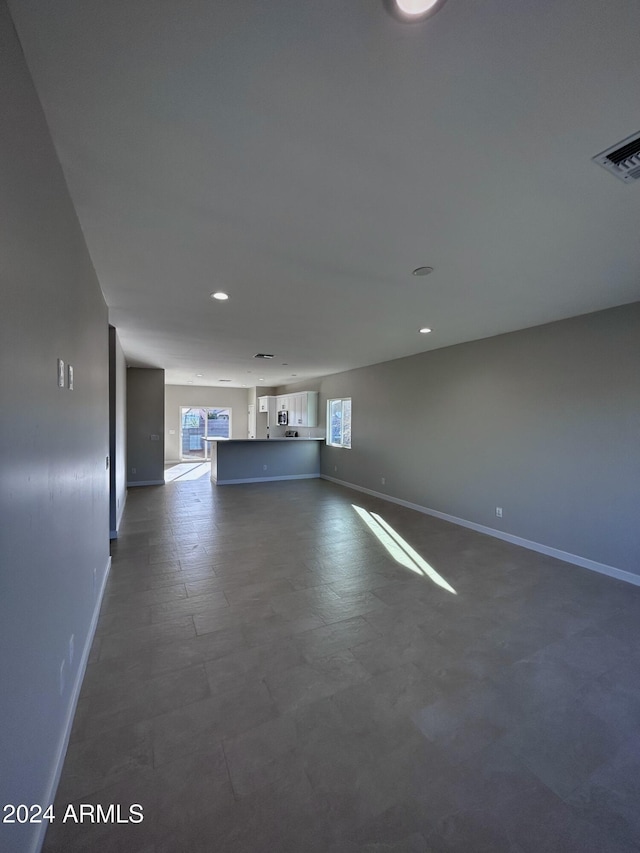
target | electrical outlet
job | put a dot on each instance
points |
(62, 674)
(335, 468)
(264, 467)
(72, 645)
(134, 471)
(498, 512)
(383, 480)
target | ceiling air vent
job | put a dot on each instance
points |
(263, 355)
(622, 159)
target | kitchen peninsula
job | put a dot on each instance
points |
(258, 460)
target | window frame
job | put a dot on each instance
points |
(328, 440)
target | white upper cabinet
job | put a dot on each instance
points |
(302, 408)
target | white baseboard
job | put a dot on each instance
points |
(146, 483)
(71, 710)
(266, 479)
(583, 562)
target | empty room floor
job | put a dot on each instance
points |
(297, 667)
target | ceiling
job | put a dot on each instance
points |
(305, 157)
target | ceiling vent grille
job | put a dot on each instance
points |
(268, 355)
(622, 159)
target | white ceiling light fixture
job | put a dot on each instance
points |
(422, 271)
(424, 331)
(412, 11)
(220, 295)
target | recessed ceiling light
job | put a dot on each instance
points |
(415, 7)
(425, 331)
(415, 10)
(189, 381)
(199, 375)
(220, 295)
(224, 380)
(261, 379)
(422, 271)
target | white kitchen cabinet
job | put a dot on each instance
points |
(265, 404)
(294, 410)
(303, 409)
(300, 410)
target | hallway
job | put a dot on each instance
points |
(300, 668)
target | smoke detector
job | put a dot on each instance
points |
(622, 159)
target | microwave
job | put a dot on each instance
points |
(283, 418)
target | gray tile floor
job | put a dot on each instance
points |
(267, 677)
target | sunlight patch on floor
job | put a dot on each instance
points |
(400, 549)
(186, 471)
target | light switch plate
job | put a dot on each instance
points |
(60, 373)
(70, 377)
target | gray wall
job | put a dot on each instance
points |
(236, 399)
(117, 431)
(54, 493)
(145, 418)
(544, 422)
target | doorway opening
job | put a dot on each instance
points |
(198, 423)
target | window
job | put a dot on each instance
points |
(339, 422)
